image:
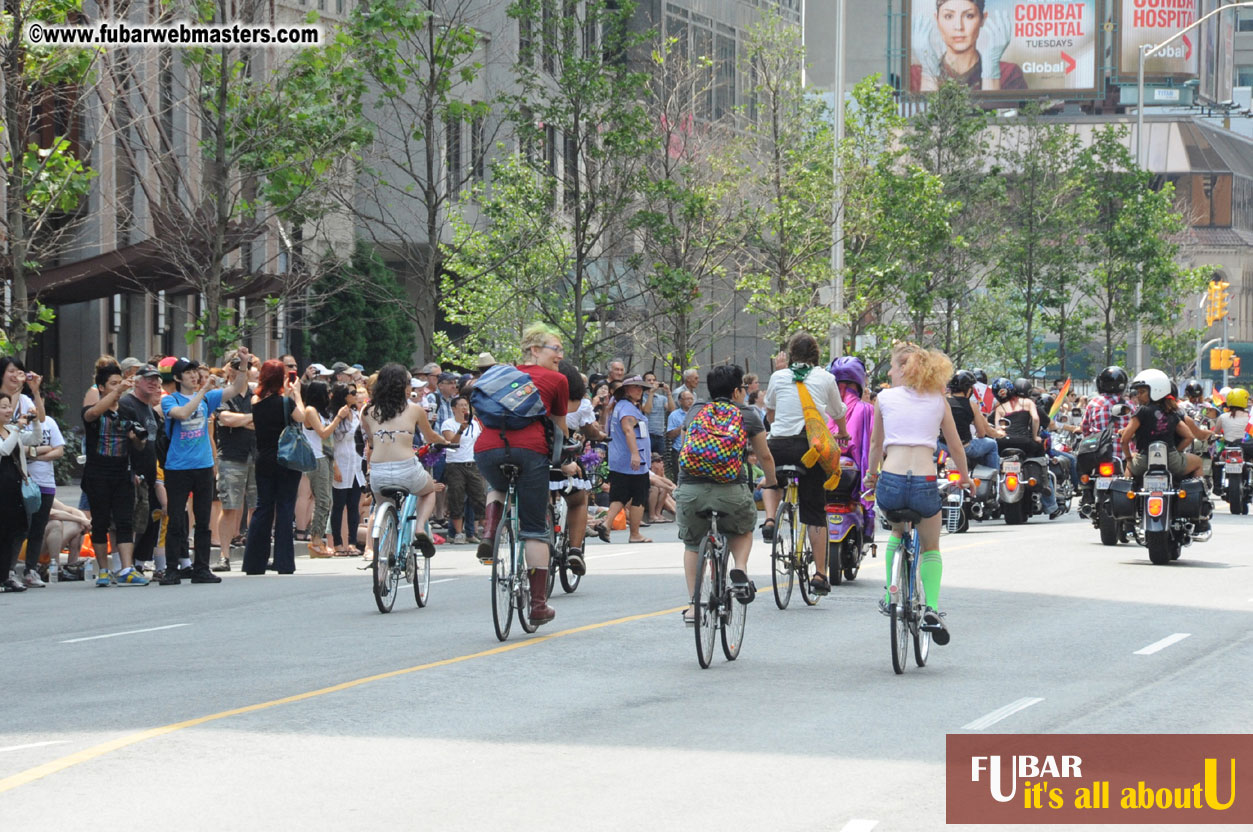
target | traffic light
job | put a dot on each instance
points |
(1235, 366)
(1216, 302)
(1222, 359)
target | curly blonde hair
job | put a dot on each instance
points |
(926, 371)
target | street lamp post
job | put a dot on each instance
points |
(837, 208)
(1146, 50)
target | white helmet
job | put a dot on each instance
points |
(1158, 383)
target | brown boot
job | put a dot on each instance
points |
(541, 613)
(491, 519)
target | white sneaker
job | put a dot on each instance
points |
(459, 539)
(32, 580)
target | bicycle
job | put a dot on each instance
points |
(906, 599)
(395, 552)
(789, 536)
(511, 591)
(559, 543)
(713, 605)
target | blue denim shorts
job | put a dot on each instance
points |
(900, 491)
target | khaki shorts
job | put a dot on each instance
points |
(733, 501)
(237, 482)
(1176, 463)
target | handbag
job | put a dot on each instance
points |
(32, 497)
(294, 450)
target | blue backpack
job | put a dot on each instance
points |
(505, 398)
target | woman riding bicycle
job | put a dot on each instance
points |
(577, 488)
(788, 442)
(908, 417)
(528, 449)
(392, 424)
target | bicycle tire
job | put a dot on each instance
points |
(922, 638)
(554, 548)
(502, 576)
(704, 604)
(569, 581)
(783, 555)
(804, 560)
(898, 612)
(384, 544)
(522, 590)
(735, 611)
(420, 577)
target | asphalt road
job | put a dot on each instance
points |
(348, 719)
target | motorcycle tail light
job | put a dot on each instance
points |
(1031, 482)
(1011, 482)
(1106, 469)
(976, 483)
(1155, 506)
(1183, 495)
(839, 508)
(954, 476)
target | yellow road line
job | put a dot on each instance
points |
(88, 754)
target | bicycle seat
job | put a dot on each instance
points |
(707, 513)
(394, 493)
(904, 515)
(510, 471)
(788, 472)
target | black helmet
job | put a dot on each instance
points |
(1023, 387)
(1193, 388)
(980, 375)
(1112, 379)
(1045, 403)
(963, 381)
(1002, 388)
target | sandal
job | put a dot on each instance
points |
(819, 585)
(302, 535)
(767, 530)
(689, 617)
(742, 589)
(320, 551)
(424, 543)
(603, 533)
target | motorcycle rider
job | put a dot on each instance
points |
(978, 437)
(1233, 425)
(1110, 384)
(850, 376)
(1159, 419)
(1050, 426)
(983, 392)
(1023, 431)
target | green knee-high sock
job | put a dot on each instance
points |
(930, 570)
(894, 543)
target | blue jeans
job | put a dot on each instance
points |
(1074, 465)
(276, 510)
(983, 450)
(900, 491)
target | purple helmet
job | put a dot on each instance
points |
(849, 368)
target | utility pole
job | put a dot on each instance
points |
(837, 212)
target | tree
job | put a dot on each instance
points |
(43, 177)
(1036, 248)
(688, 210)
(366, 321)
(420, 57)
(1127, 241)
(275, 139)
(581, 103)
(790, 148)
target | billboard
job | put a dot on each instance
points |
(1004, 48)
(1207, 38)
(1142, 22)
(1217, 61)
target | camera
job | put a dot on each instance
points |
(129, 426)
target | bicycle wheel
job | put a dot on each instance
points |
(783, 555)
(735, 612)
(502, 576)
(555, 553)
(922, 638)
(522, 590)
(420, 576)
(705, 603)
(804, 566)
(569, 580)
(387, 534)
(899, 611)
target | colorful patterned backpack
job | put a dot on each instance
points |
(713, 448)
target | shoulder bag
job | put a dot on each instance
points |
(294, 450)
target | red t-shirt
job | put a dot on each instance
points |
(554, 390)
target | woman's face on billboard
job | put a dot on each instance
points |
(959, 22)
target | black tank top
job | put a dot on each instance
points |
(963, 416)
(1019, 425)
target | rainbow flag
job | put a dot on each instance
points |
(1060, 399)
(1217, 399)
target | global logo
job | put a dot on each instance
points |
(1065, 66)
(1182, 51)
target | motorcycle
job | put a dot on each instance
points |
(1099, 470)
(1170, 513)
(959, 506)
(1022, 484)
(846, 526)
(1236, 483)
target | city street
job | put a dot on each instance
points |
(291, 703)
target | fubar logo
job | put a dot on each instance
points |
(1100, 778)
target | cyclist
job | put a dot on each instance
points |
(788, 442)
(391, 423)
(734, 500)
(908, 416)
(577, 488)
(850, 375)
(530, 450)
(1159, 419)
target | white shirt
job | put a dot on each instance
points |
(1233, 425)
(41, 471)
(464, 453)
(585, 415)
(782, 397)
(347, 460)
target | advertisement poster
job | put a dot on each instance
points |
(1153, 21)
(1006, 48)
(1226, 56)
(1207, 36)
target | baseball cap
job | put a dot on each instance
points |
(148, 371)
(339, 367)
(319, 369)
(130, 362)
(358, 368)
(182, 365)
(432, 367)
(416, 382)
(448, 377)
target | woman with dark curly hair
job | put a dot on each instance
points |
(392, 425)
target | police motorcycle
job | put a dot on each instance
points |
(1233, 474)
(1173, 512)
(1026, 472)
